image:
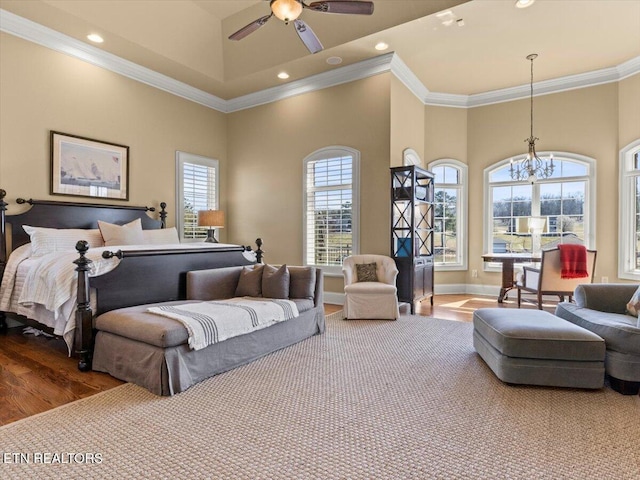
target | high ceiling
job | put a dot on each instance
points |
(188, 39)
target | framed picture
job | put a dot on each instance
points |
(83, 167)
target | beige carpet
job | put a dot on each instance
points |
(368, 400)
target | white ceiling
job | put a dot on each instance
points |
(187, 39)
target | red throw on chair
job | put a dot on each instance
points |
(573, 259)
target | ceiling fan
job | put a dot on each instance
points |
(290, 10)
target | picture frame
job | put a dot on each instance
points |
(84, 167)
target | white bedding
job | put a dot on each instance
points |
(45, 288)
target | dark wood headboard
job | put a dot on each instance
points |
(54, 214)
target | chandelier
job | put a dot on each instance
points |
(531, 168)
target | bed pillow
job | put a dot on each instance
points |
(633, 307)
(250, 282)
(160, 236)
(128, 234)
(366, 272)
(50, 240)
(302, 282)
(275, 281)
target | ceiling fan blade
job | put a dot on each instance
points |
(307, 36)
(252, 27)
(341, 6)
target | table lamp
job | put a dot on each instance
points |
(211, 219)
(536, 227)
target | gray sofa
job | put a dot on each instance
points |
(601, 308)
(151, 350)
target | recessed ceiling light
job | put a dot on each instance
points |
(283, 75)
(334, 60)
(524, 3)
(95, 38)
(381, 46)
(446, 18)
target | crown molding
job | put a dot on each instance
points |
(390, 62)
(338, 76)
(556, 85)
(36, 33)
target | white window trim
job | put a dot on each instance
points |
(463, 208)
(411, 157)
(321, 154)
(590, 200)
(181, 159)
(626, 235)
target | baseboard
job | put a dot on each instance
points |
(337, 298)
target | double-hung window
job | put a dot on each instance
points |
(629, 243)
(450, 214)
(330, 207)
(565, 200)
(196, 189)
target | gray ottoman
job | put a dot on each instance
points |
(534, 347)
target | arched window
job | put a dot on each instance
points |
(450, 242)
(331, 177)
(629, 247)
(566, 201)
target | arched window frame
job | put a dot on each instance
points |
(589, 207)
(628, 249)
(327, 153)
(462, 212)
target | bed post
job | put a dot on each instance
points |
(259, 251)
(3, 248)
(84, 315)
(163, 215)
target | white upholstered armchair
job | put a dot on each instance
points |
(366, 296)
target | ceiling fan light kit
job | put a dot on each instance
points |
(289, 11)
(286, 10)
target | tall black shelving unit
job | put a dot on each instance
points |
(412, 232)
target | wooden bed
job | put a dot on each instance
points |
(142, 276)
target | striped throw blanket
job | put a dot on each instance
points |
(214, 321)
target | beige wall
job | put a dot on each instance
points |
(42, 90)
(629, 112)
(267, 145)
(581, 121)
(261, 149)
(407, 127)
(446, 137)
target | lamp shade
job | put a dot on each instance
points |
(211, 218)
(286, 10)
(536, 224)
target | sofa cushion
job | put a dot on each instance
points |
(633, 306)
(138, 324)
(302, 282)
(620, 331)
(275, 282)
(303, 304)
(250, 282)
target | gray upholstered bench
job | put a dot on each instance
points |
(534, 347)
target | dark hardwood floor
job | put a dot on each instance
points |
(36, 374)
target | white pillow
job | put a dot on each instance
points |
(633, 306)
(129, 234)
(50, 240)
(160, 236)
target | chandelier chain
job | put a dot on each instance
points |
(531, 167)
